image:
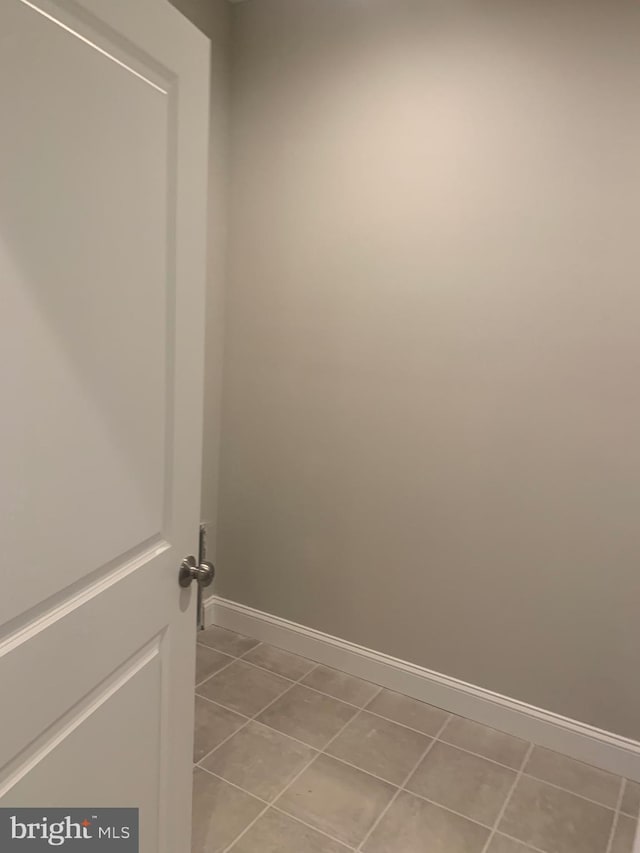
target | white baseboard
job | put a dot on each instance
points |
(581, 741)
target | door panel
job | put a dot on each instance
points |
(102, 251)
(98, 630)
(87, 290)
(88, 740)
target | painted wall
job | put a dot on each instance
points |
(213, 18)
(431, 411)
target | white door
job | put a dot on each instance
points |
(103, 138)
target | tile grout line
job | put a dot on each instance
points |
(337, 758)
(503, 810)
(530, 775)
(248, 720)
(218, 705)
(446, 743)
(526, 847)
(237, 787)
(480, 755)
(291, 681)
(314, 749)
(271, 729)
(348, 764)
(251, 823)
(222, 669)
(410, 728)
(285, 789)
(314, 666)
(278, 674)
(320, 752)
(314, 828)
(266, 725)
(315, 689)
(368, 772)
(402, 787)
(234, 658)
(321, 749)
(443, 807)
(634, 817)
(345, 702)
(294, 684)
(616, 816)
(568, 790)
(371, 699)
(211, 649)
(270, 804)
(403, 725)
(364, 708)
(381, 716)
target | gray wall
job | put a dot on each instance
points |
(431, 411)
(213, 17)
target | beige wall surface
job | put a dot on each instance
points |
(431, 411)
(213, 18)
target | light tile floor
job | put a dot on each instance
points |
(294, 757)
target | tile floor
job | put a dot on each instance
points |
(294, 757)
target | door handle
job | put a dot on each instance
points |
(190, 570)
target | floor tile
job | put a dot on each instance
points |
(209, 661)
(624, 835)
(337, 799)
(342, 686)
(275, 832)
(414, 826)
(580, 778)
(308, 716)
(550, 819)
(212, 725)
(226, 641)
(279, 661)
(380, 747)
(631, 798)
(220, 813)
(473, 786)
(339, 793)
(491, 743)
(408, 712)
(502, 844)
(244, 688)
(260, 760)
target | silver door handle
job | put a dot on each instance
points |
(190, 570)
